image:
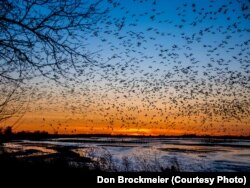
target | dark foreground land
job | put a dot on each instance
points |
(53, 167)
(65, 158)
(56, 171)
(45, 171)
(64, 168)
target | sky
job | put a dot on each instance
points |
(165, 68)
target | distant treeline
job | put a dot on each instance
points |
(8, 134)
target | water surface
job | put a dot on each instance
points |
(189, 154)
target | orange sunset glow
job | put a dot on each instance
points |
(136, 122)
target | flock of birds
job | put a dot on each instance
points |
(183, 67)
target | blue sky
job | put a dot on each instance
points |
(171, 34)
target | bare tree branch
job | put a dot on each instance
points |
(43, 38)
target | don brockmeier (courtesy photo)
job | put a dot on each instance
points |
(173, 180)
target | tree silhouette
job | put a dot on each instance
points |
(43, 38)
(13, 101)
